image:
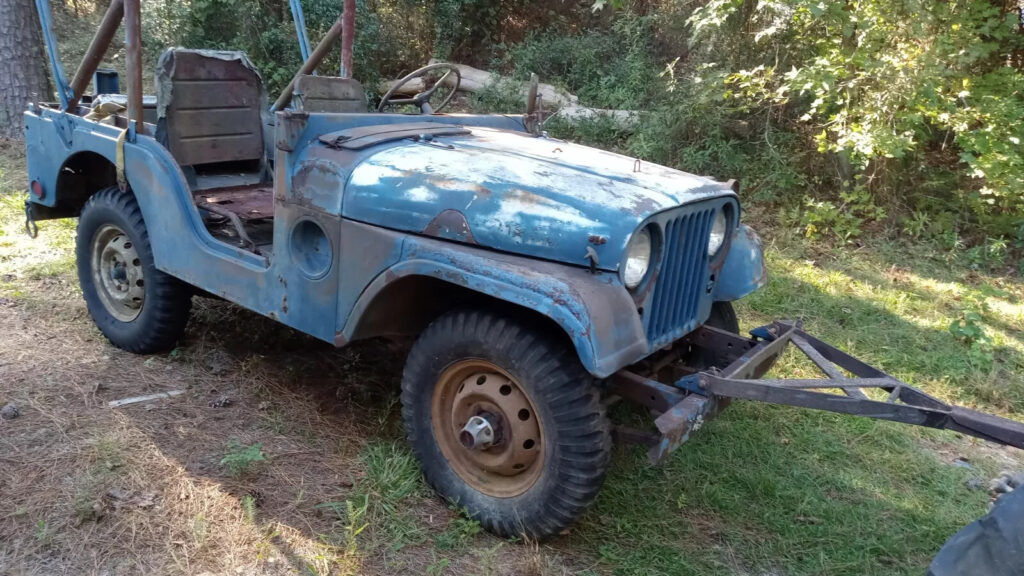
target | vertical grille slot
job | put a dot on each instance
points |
(680, 284)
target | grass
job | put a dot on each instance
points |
(760, 490)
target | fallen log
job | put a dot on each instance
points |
(567, 105)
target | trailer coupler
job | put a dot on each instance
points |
(683, 406)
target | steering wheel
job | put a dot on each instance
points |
(422, 99)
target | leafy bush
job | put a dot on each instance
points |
(882, 81)
(611, 68)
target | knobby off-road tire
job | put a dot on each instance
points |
(551, 434)
(723, 317)
(137, 307)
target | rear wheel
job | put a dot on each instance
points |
(723, 317)
(505, 422)
(137, 307)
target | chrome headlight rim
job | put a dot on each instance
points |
(718, 233)
(721, 229)
(644, 235)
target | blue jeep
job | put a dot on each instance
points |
(540, 279)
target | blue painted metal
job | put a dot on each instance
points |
(535, 196)
(690, 383)
(744, 270)
(498, 211)
(300, 29)
(763, 333)
(59, 79)
(105, 80)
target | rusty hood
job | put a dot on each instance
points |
(518, 193)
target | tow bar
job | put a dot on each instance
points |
(683, 406)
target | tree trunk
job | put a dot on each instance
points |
(23, 70)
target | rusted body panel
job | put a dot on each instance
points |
(594, 310)
(532, 195)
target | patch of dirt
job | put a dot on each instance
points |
(89, 489)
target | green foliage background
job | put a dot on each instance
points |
(894, 117)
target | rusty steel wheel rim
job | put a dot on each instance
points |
(117, 273)
(471, 396)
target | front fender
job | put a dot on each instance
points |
(593, 309)
(744, 270)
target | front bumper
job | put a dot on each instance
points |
(682, 407)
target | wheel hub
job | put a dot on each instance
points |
(477, 434)
(117, 273)
(487, 428)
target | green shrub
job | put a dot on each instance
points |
(240, 459)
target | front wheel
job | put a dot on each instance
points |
(137, 307)
(505, 422)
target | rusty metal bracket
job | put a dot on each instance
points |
(236, 222)
(683, 407)
(30, 221)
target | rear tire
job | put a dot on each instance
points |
(723, 317)
(551, 439)
(137, 307)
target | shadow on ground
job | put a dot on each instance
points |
(760, 490)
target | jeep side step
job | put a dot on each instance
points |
(683, 406)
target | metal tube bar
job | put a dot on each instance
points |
(61, 81)
(133, 61)
(97, 49)
(300, 28)
(348, 37)
(823, 383)
(824, 364)
(319, 53)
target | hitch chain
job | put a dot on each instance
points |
(30, 222)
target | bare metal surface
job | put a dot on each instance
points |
(750, 358)
(248, 202)
(133, 61)
(477, 434)
(348, 37)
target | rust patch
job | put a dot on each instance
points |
(248, 202)
(597, 239)
(458, 185)
(527, 197)
(284, 304)
(450, 224)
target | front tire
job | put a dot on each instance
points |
(137, 307)
(505, 423)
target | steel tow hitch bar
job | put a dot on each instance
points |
(682, 407)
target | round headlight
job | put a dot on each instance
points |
(718, 230)
(638, 258)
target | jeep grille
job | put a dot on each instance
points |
(682, 277)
